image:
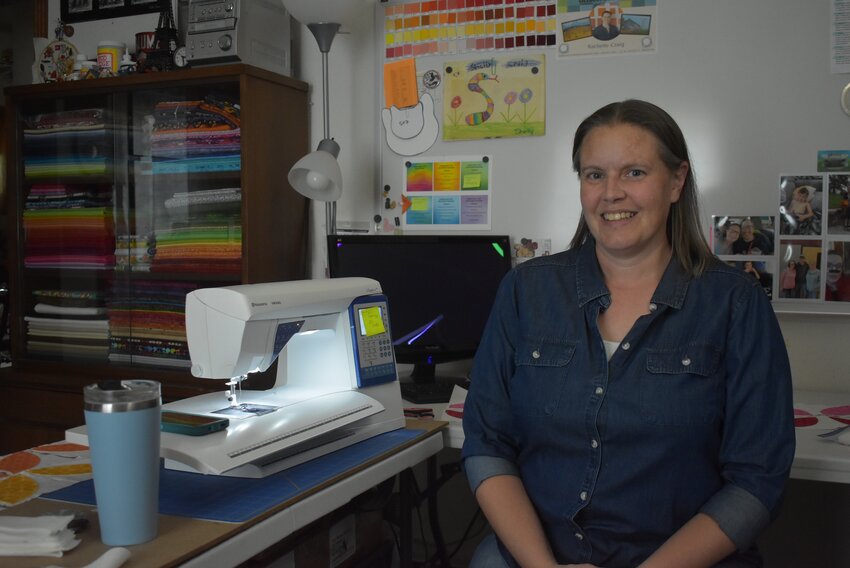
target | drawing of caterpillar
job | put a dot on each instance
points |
(476, 118)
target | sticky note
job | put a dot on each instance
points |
(373, 323)
(400, 84)
(471, 181)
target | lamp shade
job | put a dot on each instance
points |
(326, 11)
(317, 176)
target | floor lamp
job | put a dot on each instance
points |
(317, 175)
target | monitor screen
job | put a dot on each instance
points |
(439, 289)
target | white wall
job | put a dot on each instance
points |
(749, 83)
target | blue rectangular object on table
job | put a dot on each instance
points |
(236, 499)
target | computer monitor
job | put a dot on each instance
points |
(439, 288)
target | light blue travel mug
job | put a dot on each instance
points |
(122, 420)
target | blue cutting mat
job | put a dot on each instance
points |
(236, 500)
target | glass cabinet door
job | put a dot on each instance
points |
(131, 200)
(68, 249)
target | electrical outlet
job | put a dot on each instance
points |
(342, 538)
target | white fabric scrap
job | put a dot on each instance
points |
(46, 535)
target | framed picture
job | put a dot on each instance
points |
(86, 10)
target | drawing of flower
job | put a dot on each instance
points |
(510, 99)
(524, 97)
(456, 101)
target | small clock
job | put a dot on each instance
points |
(57, 60)
(180, 59)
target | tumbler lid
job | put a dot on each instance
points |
(121, 396)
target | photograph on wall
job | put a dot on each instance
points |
(761, 270)
(494, 97)
(801, 203)
(447, 193)
(526, 248)
(837, 277)
(72, 11)
(838, 208)
(834, 160)
(606, 28)
(800, 265)
(741, 234)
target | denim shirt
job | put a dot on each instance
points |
(693, 412)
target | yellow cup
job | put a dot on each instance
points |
(109, 55)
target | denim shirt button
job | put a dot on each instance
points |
(686, 361)
(653, 307)
(599, 390)
(535, 354)
(626, 346)
(579, 536)
(583, 495)
(594, 444)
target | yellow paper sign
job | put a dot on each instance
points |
(373, 323)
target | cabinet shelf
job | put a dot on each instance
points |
(79, 311)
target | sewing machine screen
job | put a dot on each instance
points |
(373, 348)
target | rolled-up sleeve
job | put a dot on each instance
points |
(479, 468)
(489, 446)
(757, 447)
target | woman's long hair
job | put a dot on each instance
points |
(684, 229)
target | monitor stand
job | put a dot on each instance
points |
(424, 373)
(426, 387)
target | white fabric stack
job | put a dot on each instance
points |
(48, 535)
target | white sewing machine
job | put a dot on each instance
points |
(336, 377)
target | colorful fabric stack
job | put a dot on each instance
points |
(67, 143)
(68, 325)
(205, 234)
(147, 322)
(196, 136)
(68, 226)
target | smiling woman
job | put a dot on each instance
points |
(632, 373)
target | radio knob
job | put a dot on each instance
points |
(225, 42)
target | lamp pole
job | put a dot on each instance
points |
(324, 34)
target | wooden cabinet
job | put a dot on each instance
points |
(123, 195)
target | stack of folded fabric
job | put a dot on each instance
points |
(147, 322)
(46, 535)
(203, 243)
(68, 227)
(67, 143)
(196, 136)
(68, 324)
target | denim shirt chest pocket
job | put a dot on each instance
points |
(682, 385)
(542, 367)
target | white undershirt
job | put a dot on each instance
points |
(610, 348)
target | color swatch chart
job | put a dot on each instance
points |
(439, 27)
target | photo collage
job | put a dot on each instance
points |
(802, 254)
